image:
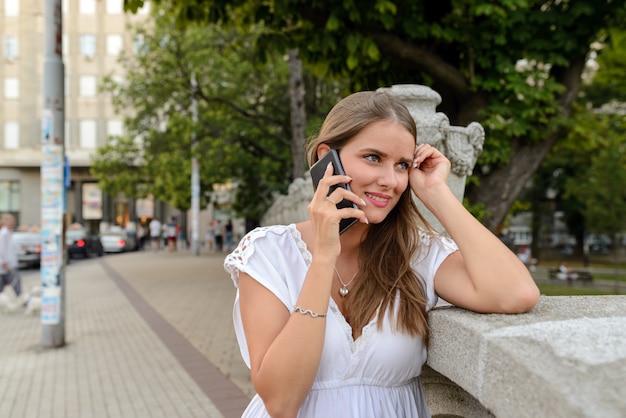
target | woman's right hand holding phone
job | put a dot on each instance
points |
(324, 214)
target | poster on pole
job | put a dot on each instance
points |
(52, 204)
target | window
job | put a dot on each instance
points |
(67, 134)
(11, 7)
(88, 86)
(10, 48)
(11, 135)
(11, 88)
(115, 127)
(88, 45)
(87, 7)
(65, 44)
(115, 7)
(88, 134)
(9, 196)
(115, 43)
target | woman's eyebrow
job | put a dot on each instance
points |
(385, 155)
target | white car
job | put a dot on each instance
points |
(28, 245)
(117, 242)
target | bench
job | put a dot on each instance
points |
(582, 275)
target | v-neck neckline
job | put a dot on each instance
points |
(334, 307)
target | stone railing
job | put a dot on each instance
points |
(566, 358)
(461, 145)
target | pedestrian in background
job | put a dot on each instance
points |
(336, 325)
(155, 233)
(219, 236)
(9, 273)
(141, 237)
(171, 234)
(228, 233)
(210, 236)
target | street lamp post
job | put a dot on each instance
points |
(195, 175)
(52, 181)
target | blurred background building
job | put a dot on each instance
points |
(94, 34)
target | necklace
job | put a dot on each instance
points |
(344, 290)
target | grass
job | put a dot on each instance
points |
(564, 290)
(608, 272)
(609, 277)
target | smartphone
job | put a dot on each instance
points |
(317, 172)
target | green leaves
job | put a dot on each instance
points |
(601, 185)
(333, 23)
(242, 111)
(467, 50)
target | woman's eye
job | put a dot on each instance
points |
(373, 158)
(403, 166)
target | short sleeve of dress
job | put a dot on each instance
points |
(258, 255)
(434, 249)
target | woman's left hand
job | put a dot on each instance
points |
(430, 169)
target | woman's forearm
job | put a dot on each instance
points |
(495, 271)
(286, 372)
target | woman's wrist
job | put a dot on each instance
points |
(435, 197)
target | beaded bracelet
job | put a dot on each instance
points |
(296, 308)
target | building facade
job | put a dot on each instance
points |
(95, 32)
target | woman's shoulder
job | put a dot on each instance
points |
(429, 238)
(433, 248)
(265, 239)
(268, 233)
(264, 249)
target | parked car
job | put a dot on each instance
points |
(117, 242)
(28, 245)
(82, 244)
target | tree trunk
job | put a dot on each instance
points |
(298, 114)
(499, 189)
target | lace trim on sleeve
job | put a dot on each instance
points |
(237, 259)
(306, 255)
(426, 240)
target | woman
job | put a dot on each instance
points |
(335, 325)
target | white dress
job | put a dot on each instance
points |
(375, 376)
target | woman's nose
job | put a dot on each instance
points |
(387, 177)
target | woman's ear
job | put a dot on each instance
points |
(322, 150)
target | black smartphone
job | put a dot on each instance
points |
(317, 172)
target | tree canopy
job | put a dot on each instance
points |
(582, 176)
(242, 109)
(514, 65)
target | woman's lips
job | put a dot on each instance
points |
(377, 199)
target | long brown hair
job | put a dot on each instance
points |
(393, 241)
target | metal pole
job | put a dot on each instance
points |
(52, 181)
(195, 176)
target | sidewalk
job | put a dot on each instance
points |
(147, 335)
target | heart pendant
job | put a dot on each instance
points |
(343, 291)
